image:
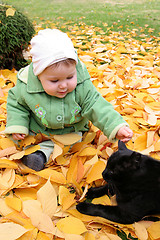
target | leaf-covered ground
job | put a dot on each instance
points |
(41, 205)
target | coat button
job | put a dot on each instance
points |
(59, 118)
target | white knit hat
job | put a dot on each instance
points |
(50, 46)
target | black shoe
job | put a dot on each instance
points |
(35, 161)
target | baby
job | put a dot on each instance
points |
(54, 95)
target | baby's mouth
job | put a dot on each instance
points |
(62, 92)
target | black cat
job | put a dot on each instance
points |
(135, 179)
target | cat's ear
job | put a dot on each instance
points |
(135, 158)
(121, 145)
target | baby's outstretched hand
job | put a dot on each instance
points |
(124, 134)
(18, 136)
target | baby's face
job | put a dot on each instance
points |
(59, 81)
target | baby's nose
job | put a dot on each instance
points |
(63, 85)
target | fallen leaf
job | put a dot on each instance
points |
(67, 139)
(6, 143)
(33, 210)
(66, 199)
(154, 230)
(11, 231)
(96, 172)
(5, 163)
(54, 176)
(14, 203)
(57, 151)
(10, 12)
(48, 198)
(71, 225)
(8, 151)
(140, 231)
(88, 151)
(32, 149)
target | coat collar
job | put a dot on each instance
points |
(33, 84)
(27, 76)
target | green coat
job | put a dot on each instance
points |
(29, 108)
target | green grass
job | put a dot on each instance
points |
(118, 15)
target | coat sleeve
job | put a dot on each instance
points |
(100, 112)
(17, 114)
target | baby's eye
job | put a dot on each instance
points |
(54, 81)
(70, 77)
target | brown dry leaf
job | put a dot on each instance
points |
(71, 225)
(11, 231)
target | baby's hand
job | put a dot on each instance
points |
(124, 134)
(18, 136)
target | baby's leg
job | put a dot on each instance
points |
(47, 148)
(38, 159)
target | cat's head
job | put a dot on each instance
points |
(122, 163)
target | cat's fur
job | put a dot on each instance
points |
(135, 179)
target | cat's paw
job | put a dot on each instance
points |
(82, 207)
(91, 193)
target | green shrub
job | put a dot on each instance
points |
(16, 32)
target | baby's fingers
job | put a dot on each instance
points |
(18, 136)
